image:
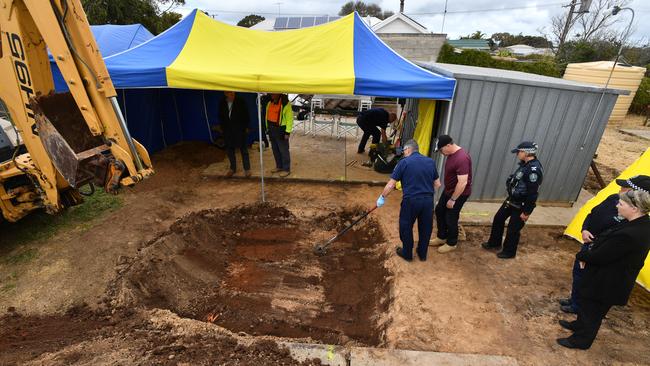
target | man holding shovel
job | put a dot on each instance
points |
(419, 178)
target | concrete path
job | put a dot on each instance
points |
(644, 134)
(364, 356)
(481, 213)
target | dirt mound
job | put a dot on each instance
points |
(84, 337)
(252, 269)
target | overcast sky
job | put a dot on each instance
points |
(488, 16)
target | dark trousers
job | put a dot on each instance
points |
(590, 316)
(577, 277)
(447, 218)
(514, 228)
(420, 208)
(280, 147)
(368, 130)
(244, 157)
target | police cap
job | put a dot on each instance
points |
(527, 147)
(638, 183)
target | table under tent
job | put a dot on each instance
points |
(200, 56)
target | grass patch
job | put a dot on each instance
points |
(8, 287)
(22, 257)
(39, 225)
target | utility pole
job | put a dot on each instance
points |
(442, 30)
(401, 6)
(567, 25)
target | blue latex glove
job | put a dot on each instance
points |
(380, 201)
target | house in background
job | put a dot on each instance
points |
(400, 32)
(525, 50)
(410, 38)
(470, 44)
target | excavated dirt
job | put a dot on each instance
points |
(147, 338)
(252, 269)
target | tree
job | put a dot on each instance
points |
(476, 35)
(250, 20)
(155, 15)
(372, 10)
(596, 24)
(506, 39)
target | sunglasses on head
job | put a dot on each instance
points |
(630, 195)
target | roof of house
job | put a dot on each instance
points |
(403, 17)
(286, 23)
(470, 43)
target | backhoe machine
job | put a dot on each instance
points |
(73, 141)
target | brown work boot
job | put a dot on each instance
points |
(447, 248)
(436, 242)
(247, 173)
(230, 173)
(276, 170)
(284, 173)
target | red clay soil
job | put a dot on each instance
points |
(252, 269)
(132, 336)
(23, 338)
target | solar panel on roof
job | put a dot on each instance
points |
(320, 20)
(294, 22)
(334, 18)
(280, 23)
(307, 22)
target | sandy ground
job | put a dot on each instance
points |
(617, 150)
(467, 301)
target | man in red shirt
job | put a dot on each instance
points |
(457, 188)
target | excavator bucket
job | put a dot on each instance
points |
(75, 152)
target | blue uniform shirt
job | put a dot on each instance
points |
(417, 173)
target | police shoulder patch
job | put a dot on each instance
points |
(533, 168)
(533, 177)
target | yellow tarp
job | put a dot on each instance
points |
(424, 126)
(211, 58)
(640, 167)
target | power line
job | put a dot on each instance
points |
(423, 13)
(488, 10)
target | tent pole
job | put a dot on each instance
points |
(259, 130)
(207, 121)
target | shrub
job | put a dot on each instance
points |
(483, 59)
(641, 100)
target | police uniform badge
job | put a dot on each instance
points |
(533, 177)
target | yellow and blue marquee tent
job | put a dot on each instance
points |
(341, 57)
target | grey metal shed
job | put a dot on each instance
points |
(494, 110)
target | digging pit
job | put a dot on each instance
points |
(252, 269)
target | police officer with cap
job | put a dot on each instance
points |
(522, 187)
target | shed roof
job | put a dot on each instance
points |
(514, 77)
(470, 43)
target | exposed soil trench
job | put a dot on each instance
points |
(251, 269)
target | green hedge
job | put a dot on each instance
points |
(642, 98)
(483, 59)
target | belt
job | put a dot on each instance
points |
(512, 204)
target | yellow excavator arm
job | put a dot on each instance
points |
(72, 139)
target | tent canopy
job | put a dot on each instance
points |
(341, 57)
(111, 39)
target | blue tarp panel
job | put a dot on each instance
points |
(111, 39)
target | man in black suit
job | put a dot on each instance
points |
(611, 265)
(233, 118)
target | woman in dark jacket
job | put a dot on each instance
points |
(611, 267)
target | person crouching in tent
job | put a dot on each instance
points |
(279, 123)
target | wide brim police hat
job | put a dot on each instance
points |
(638, 183)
